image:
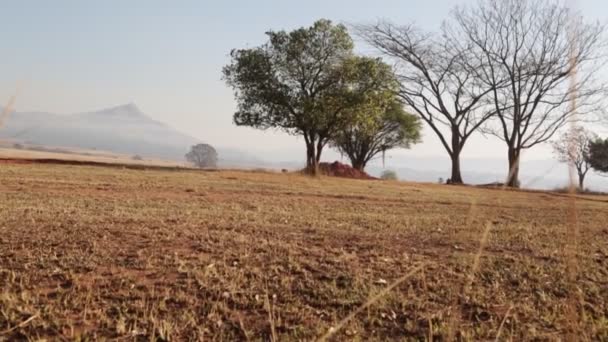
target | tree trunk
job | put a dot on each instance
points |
(513, 175)
(358, 164)
(456, 176)
(318, 151)
(311, 164)
(359, 167)
(581, 181)
(314, 148)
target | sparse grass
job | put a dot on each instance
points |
(94, 252)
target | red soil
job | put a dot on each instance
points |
(337, 169)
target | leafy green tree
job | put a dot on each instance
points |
(304, 82)
(598, 155)
(377, 129)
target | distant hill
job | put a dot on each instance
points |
(122, 129)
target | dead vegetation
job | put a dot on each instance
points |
(92, 252)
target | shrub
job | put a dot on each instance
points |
(389, 175)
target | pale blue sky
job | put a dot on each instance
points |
(166, 57)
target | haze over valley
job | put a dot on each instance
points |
(125, 129)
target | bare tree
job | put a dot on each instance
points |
(572, 147)
(436, 84)
(530, 51)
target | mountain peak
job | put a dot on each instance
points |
(130, 106)
(129, 109)
(126, 110)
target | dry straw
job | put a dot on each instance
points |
(370, 301)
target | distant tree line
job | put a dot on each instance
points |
(519, 70)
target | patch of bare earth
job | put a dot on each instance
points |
(94, 252)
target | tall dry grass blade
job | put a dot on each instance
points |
(502, 324)
(369, 302)
(6, 111)
(452, 321)
(477, 259)
(468, 282)
(242, 326)
(573, 219)
(269, 308)
(20, 325)
(571, 248)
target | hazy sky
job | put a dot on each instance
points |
(166, 57)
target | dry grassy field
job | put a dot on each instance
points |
(80, 155)
(108, 253)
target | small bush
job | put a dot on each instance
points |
(18, 146)
(137, 157)
(389, 175)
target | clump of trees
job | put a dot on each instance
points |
(540, 59)
(515, 69)
(309, 83)
(573, 147)
(504, 68)
(202, 156)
